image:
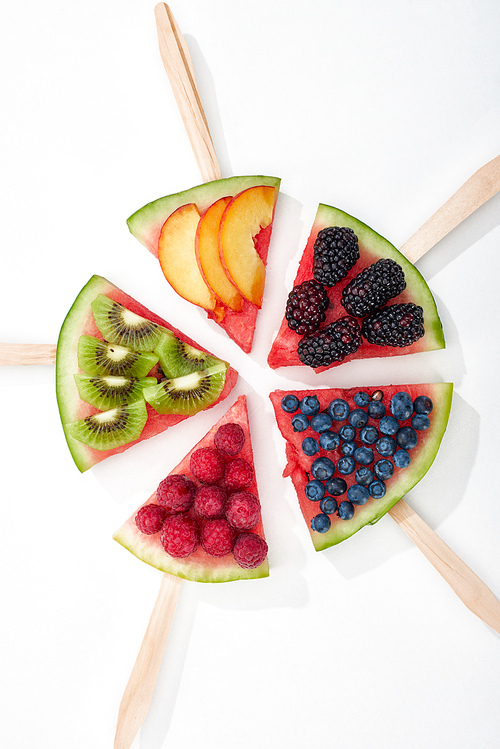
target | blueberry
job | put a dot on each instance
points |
(402, 458)
(363, 476)
(401, 406)
(376, 409)
(322, 469)
(314, 490)
(388, 425)
(329, 440)
(383, 469)
(309, 405)
(386, 446)
(321, 523)
(361, 399)
(377, 489)
(407, 438)
(300, 422)
(338, 409)
(358, 494)
(336, 487)
(310, 446)
(328, 505)
(346, 510)
(422, 404)
(321, 422)
(347, 433)
(348, 448)
(420, 422)
(363, 455)
(358, 418)
(290, 403)
(346, 466)
(368, 435)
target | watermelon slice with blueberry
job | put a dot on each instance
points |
(123, 374)
(204, 522)
(353, 453)
(354, 297)
(212, 242)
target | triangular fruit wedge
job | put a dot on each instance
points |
(123, 374)
(212, 242)
(203, 522)
(354, 297)
(352, 454)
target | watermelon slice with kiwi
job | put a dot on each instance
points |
(206, 512)
(338, 315)
(123, 374)
(234, 312)
(352, 454)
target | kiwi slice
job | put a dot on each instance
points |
(178, 358)
(109, 429)
(119, 325)
(105, 392)
(189, 393)
(103, 358)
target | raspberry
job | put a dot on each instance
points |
(330, 344)
(217, 538)
(176, 493)
(336, 251)
(149, 518)
(373, 287)
(249, 550)
(207, 464)
(305, 307)
(239, 475)
(209, 501)
(229, 439)
(180, 535)
(243, 511)
(395, 325)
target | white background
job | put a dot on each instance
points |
(380, 108)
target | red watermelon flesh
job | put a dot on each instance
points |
(80, 321)
(372, 247)
(298, 465)
(146, 223)
(199, 566)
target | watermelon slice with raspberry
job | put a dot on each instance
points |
(206, 512)
(352, 454)
(146, 225)
(382, 315)
(196, 374)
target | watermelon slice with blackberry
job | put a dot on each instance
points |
(354, 297)
(123, 374)
(203, 522)
(353, 453)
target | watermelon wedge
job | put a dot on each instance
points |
(146, 225)
(80, 326)
(352, 454)
(372, 248)
(200, 566)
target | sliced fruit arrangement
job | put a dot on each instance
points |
(212, 242)
(123, 374)
(354, 297)
(204, 521)
(352, 454)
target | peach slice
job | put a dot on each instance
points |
(207, 255)
(177, 256)
(247, 213)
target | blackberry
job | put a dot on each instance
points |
(336, 251)
(305, 307)
(373, 287)
(331, 344)
(395, 325)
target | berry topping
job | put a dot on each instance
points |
(373, 287)
(330, 344)
(175, 493)
(243, 511)
(314, 490)
(363, 456)
(209, 502)
(290, 403)
(180, 535)
(229, 439)
(358, 494)
(249, 550)
(309, 405)
(328, 505)
(321, 422)
(310, 446)
(383, 469)
(358, 418)
(368, 435)
(348, 448)
(329, 440)
(207, 464)
(386, 446)
(377, 489)
(361, 399)
(422, 404)
(217, 538)
(401, 406)
(406, 438)
(363, 476)
(321, 523)
(376, 409)
(336, 251)
(388, 425)
(150, 518)
(395, 325)
(346, 510)
(347, 433)
(322, 469)
(336, 486)
(238, 475)
(421, 422)
(338, 409)
(300, 422)
(305, 307)
(346, 465)
(402, 458)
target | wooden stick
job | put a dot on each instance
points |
(467, 585)
(27, 353)
(140, 687)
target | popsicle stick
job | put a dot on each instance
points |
(477, 190)
(465, 583)
(27, 353)
(139, 690)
